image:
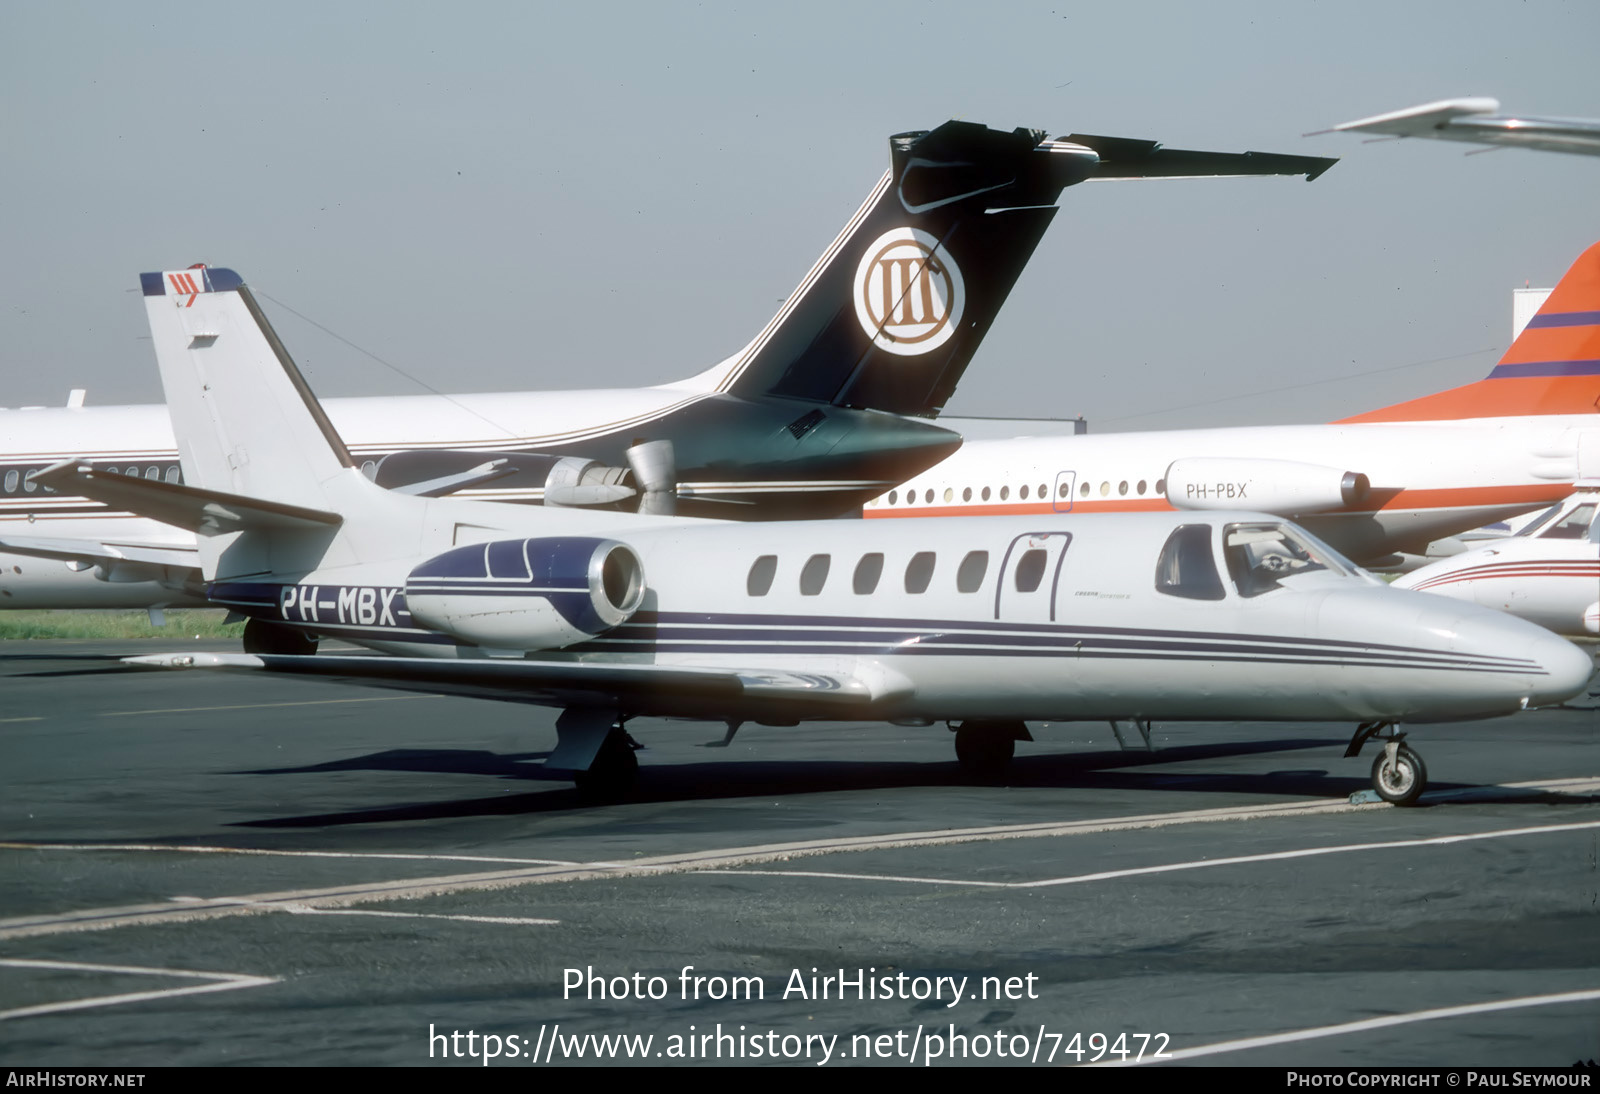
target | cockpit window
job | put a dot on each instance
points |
(1574, 526)
(1261, 555)
(1187, 567)
(1538, 522)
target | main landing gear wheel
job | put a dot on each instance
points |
(1399, 779)
(614, 771)
(984, 749)
(263, 637)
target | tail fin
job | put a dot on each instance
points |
(893, 311)
(248, 427)
(1552, 368)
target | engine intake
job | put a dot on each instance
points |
(528, 594)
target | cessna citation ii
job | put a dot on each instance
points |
(1548, 573)
(1379, 487)
(983, 624)
(809, 419)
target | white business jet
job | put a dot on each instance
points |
(985, 624)
(1548, 573)
(809, 419)
(1376, 486)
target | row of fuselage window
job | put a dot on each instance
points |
(974, 567)
(1041, 493)
(18, 481)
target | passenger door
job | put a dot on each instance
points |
(1030, 571)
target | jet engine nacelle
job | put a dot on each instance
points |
(1283, 487)
(528, 594)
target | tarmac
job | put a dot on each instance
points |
(202, 869)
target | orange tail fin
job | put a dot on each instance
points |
(1552, 368)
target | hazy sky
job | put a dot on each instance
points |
(524, 196)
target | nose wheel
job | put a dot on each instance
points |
(1398, 774)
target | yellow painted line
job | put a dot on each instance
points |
(263, 706)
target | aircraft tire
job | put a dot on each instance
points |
(263, 637)
(1403, 782)
(984, 749)
(614, 772)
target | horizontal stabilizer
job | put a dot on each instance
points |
(95, 551)
(207, 512)
(1479, 121)
(1125, 158)
(632, 689)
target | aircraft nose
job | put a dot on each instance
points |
(1555, 671)
(1570, 668)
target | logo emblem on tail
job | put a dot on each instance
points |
(908, 292)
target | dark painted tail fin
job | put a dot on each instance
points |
(893, 311)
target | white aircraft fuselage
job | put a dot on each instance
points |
(1428, 480)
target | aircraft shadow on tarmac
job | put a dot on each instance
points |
(725, 779)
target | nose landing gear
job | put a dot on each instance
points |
(1398, 774)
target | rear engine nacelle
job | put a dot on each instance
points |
(528, 594)
(1284, 487)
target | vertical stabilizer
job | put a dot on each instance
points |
(247, 424)
(1553, 367)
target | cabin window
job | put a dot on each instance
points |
(28, 485)
(1005, 492)
(985, 493)
(969, 575)
(152, 472)
(1041, 491)
(1187, 567)
(1122, 487)
(919, 572)
(1141, 487)
(1023, 493)
(868, 571)
(1030, 569)
(894, 497)
(1576, 526)
(949, 494)
(174, 473)
(1161, 486)
(1083, 491)
(814, 574)
(11, 481)
(966, 494)
(759, 583)
(1063, 490)
(132, 472)
(928, 497)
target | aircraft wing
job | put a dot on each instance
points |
(97, 552)
(752, 694)
(1478, 121)
(207, 512)
(1127, 158)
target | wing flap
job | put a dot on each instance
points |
(206, 512)
(751, 693)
